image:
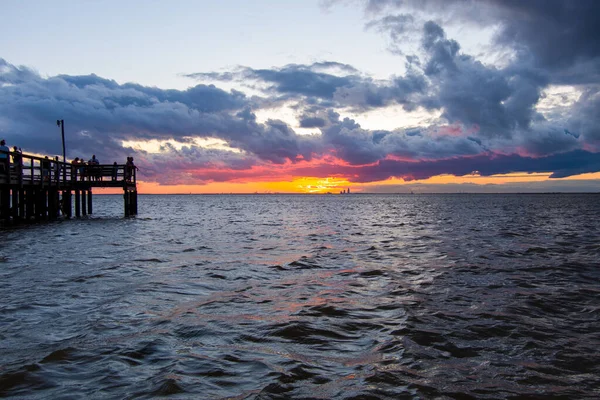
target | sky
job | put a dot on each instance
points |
(311, 96)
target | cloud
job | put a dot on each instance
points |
(561, 165)
(328, 84)
(100, 114)
(556, 36)
(293, 80)
(585, 117)
(486, 116)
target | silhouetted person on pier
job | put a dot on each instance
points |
(18, 163)
(115, 171)
(93, 173)
(82, 171)
(45, 163)
(130, 169)
(74, 167)
(4, 156)
(56, 169)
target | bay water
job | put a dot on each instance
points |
(451, 296)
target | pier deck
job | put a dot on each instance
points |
(33, 187)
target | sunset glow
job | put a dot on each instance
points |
(368, 95)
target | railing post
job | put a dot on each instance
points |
(31, 161)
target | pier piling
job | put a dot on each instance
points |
(83, 203)
(77, 204)
(32, 190)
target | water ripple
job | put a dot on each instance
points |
(277, 297)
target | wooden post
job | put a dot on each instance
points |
(40, 203)
(5, 203)
(83, 202)
(134, 202)
(89, 201)
(126, 202)
(51, 204)
(77, 204)
(44, 200)
(21, 203)
(57, 202)
(67, 203)
(30, 203)
(15, 203)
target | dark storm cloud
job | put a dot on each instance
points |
(497, 102)
(560, 36)
(485, 164)
(311, 122)
(328, 84)
(273, 141)
(561, 165)
(359, 146)
(557, 36)
(101, 113)
(293, 79)
(296, 80)
(193, 165)
(488, 117)
(554, 42)
(585, 117)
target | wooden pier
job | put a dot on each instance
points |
(39, 188)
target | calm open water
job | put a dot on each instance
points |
(283, 296)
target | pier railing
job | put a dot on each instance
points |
(27, 169)
(34, 187)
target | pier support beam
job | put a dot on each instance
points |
(30, 203)
(134, 202)
(5, 203)
(77, 204)
(22, 214)
(52, 203)
(126, 202)
(83, 202)
(44, 203)
(40, 203)
(67, 204)
(89, 201)
(31, 193)
(15, 201)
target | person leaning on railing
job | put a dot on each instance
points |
(130, 169)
